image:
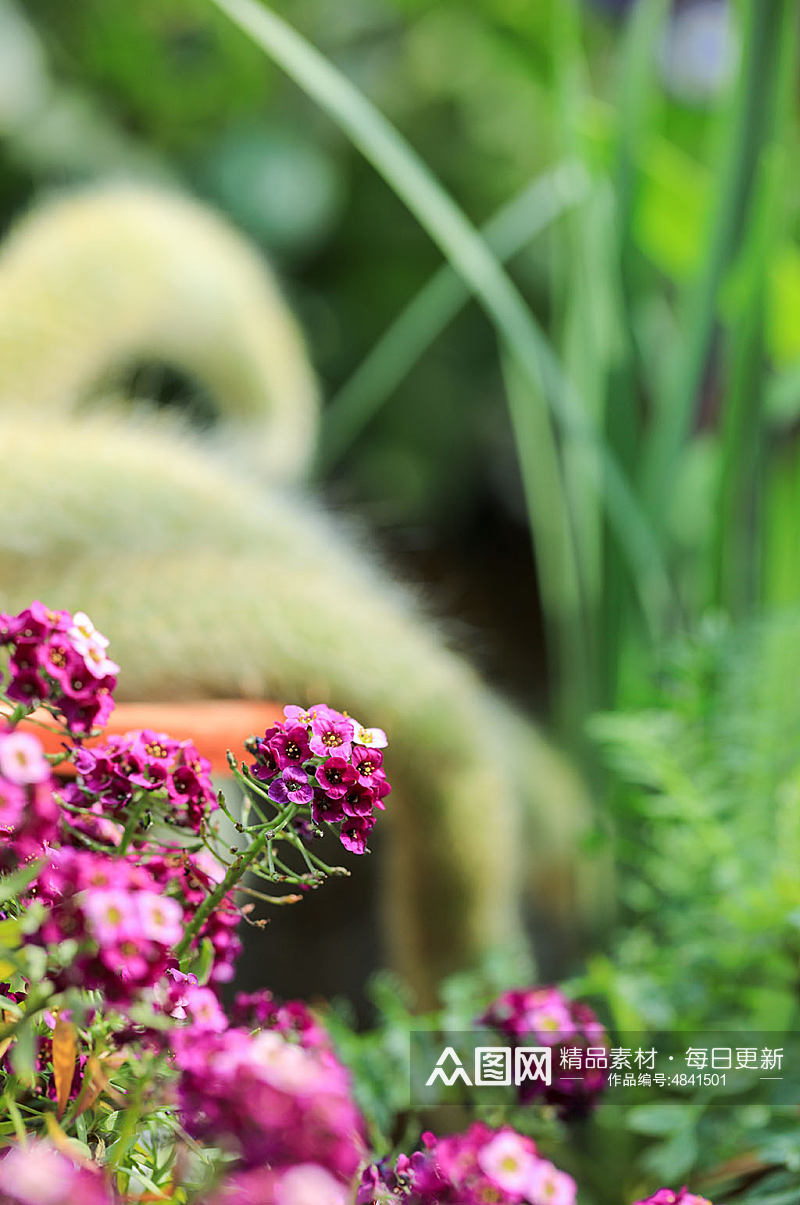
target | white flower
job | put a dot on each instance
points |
(84, 632)
(98, 664)
(374, 738)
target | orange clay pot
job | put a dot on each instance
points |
(215, 725)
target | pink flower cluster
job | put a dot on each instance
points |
(293, 1019)
(304, 1184)
(269, 1101)
(183, 998)
(38, 1174)
(117, 771)
(324, 761)
(193, 876)
(61, 661)
(544, 1016)
(667, 1196)
(28, 812)
(123, 925)
(472, 1168)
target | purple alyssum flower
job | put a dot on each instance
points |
(61, 662)
(479, 1165)
(545, 1016)
(331, 734)
(114, 772)
(313, 759)
(292, 786)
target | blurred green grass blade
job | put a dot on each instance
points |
(586, 316)
(436, 304)
(742, 564)
(554, 550)
(637, 109)
(594, 284)
(734, 545)
(781, 507)
(670, 223)
(766, 25)
(639, 93)
(737, 552)
(782, 396)
(402, 168)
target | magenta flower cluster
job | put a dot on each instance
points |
(29, 814)
(303, 1184)
(182, 997)
(124, 927)
(192, 877)
(269, 1101)
(38, 1174)
(60, 661)
(544, 1016)
(480, 1165)
(117, 771)
(118, 899)
(668, 1196)
(125, 913)
(326, 762)
(293, 1019)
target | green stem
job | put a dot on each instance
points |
(291, 876)
(97, 846)
(236, 871)
(10, 1106)
(332, 871)
(18, 714)
(280, 900)
(133, 821)
(252, 788)
(436, 304)
(557, 570)
(36, 1002)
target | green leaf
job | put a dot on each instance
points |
(203, 961)
(662, 1119)
(14, 884)
(671, 1160)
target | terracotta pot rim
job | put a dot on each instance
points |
(215, 725)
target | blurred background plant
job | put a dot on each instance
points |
(633, 163)
(708, 776)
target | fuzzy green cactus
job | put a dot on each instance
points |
(213, 583)
(95, 280)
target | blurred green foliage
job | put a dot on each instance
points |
(669, 292)
(707, 835)
(667, 289)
